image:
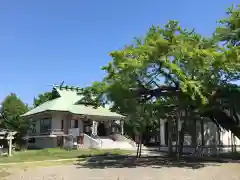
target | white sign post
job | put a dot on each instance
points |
(10, 138)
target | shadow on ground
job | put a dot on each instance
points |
(120, 161)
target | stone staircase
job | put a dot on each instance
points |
(108, 143)
(118, 141)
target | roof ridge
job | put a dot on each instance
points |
(67, 87)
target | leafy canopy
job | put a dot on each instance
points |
(42, 98)
(172, 57)
(11, 110)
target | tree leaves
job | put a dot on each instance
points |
(230, 31)
(11, 110)
(42, 98)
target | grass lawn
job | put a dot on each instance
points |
(56, 153)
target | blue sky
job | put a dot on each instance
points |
(47, 41)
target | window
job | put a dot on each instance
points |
(75, 123)
(33, 128)
(45, 124)
(62, 124)
(31, 140)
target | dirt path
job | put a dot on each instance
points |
(225, 171)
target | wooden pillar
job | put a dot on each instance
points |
(108, 127)
(81, 126)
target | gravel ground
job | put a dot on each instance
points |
(222, 171)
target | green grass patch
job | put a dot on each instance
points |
(57, 153)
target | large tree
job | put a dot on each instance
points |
(168, 55)
(169, 66)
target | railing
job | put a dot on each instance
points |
(47, 132)
(90, 142)
(98, 139)
(119, 137)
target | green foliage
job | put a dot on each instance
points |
(42, 98)
(230, 31)
(11, 110)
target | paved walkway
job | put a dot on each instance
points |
(74, 172)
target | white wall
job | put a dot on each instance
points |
(227, 139)
(57, 120)
(211, 133)
(211, 136)
(223, 140)
(215, 141)
(44, 142)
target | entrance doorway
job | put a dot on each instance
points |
(101, 130)
(59, 141)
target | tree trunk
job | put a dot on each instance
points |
(235, 146)
(194, 132)
(202, 132)
(170, 136)
(232, 142)
(140, 150)
(219, 141)
(137, 150)
(181, 138)
(178, 136)
(137, 147)
(181, 132)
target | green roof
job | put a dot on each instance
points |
(66, 102)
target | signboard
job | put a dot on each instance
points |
(94, 128)
(78, 117)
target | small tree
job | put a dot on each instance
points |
(42, 98)
(11, 110)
